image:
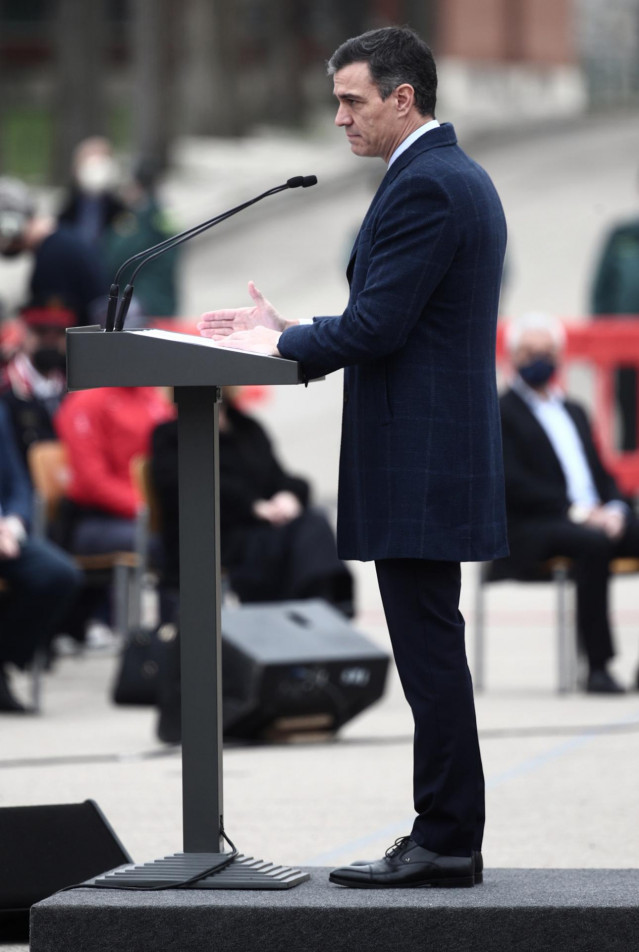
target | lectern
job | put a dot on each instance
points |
(197, 368)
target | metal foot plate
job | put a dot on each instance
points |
(201, 871)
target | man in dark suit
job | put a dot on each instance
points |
(560, 498)
(421, 482)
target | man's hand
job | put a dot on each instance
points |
(610, 521)
(220, 324)
(281, 508)
(261, 340)
(9, 539)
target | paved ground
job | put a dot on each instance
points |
(561, 771)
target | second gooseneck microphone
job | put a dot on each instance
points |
(116, 316)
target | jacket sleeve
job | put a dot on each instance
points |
(250, 470)
(15, 489)
(93, 482)
(412, 242)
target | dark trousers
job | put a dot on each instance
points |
(591, 551)
(421, 604)
(43, 583)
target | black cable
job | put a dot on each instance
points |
(179, 884)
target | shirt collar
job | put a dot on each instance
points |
(413, 137)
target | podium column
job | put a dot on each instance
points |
(200, 617)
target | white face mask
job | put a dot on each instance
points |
(97, 174)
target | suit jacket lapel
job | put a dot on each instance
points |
(444, 135)
(543, 443)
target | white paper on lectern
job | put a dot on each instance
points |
(193, 339)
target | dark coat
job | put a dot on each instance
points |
(535, 481)
(421, 466)
(249, 470)
(15, 489)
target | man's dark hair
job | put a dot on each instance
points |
(395, 55)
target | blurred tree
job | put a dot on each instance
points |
(286, 23)
(354, 17)
(422, 16)
(211, 98)
(153, 67)
(79, 41)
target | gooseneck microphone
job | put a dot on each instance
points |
(116, 316)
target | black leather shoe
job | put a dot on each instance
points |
(408, 865)
(479, 866)
(9, 704)
(601, 681)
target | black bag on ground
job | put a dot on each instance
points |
(143, 655)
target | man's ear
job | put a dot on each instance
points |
(405, 98)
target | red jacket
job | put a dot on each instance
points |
(103, 430)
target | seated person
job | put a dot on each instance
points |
(42, 580)
(34, 379)
(103, 429)
(561, 500)
(274, 546)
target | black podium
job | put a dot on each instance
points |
(196, 368)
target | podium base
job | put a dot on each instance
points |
(201, 871)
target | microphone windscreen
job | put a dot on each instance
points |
(296, 181)
(309, 180)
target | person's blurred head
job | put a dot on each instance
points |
(95, 170)
(535, 342)
(44, 337)
(17, 209)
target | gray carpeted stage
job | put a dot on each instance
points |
(536, 910)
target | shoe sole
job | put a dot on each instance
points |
(448, 883)
(478, 880)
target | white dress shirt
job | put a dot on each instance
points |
(413, 137)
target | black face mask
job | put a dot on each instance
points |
(537, 372)
(48, 359)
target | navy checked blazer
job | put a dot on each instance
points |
(421, 472)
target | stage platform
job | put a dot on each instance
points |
(545, 910)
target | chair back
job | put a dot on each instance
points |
(50, 474)
(143, 482)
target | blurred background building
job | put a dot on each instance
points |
(145, 71)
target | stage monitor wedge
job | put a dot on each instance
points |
(45, 848)
(294, 668)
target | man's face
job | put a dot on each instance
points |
(370, 122)
(534, 344)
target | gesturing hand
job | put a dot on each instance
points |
(220, 324)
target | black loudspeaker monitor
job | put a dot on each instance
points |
(295, 667)
(45, 848)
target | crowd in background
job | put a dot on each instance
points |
(275, 543)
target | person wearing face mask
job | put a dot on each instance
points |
(560, 498)
(92, 204)
(66, 273)
(33, 383)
